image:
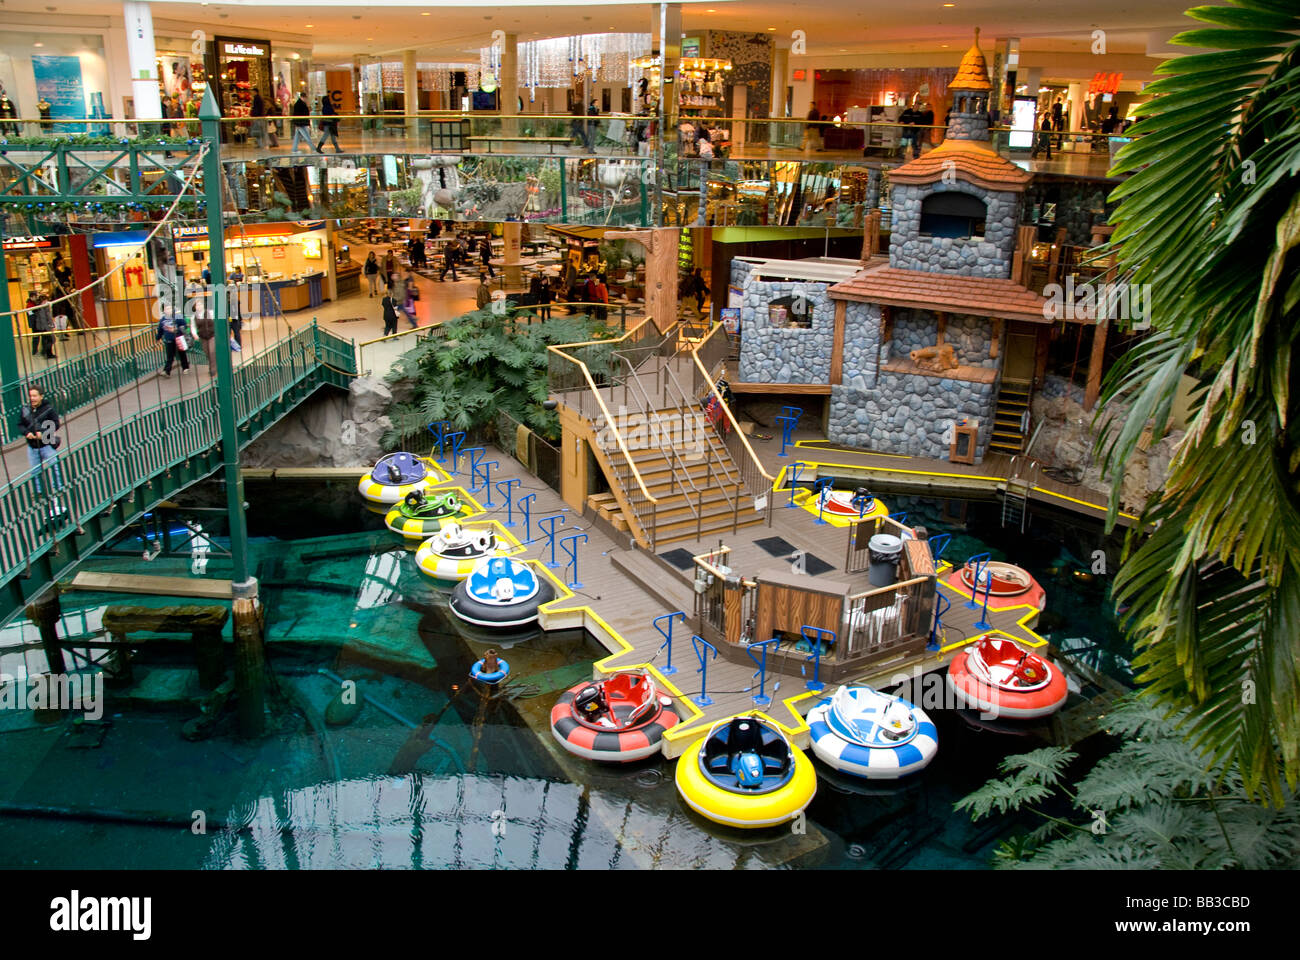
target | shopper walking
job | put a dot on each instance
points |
(700, 289)
(390, 314)
(485, 255)
(924, 119)
(600, 295)
(449, 262)
(37, 422)
(811, 131)
(328, 128)
(301, 122)
(411, 298)
(257, 114)
(371, 270)
(235, 313)
(205, 328)
(171, 331)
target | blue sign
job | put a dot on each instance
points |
(58, 80)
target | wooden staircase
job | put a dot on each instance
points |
(696, 484)
(1011, 418)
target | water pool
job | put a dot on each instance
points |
(430, 774)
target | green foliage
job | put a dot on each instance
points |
(1210, 222)
(1158, 801)
(476, 366)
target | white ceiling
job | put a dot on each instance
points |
(341, 28)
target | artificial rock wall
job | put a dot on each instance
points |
(771, 354)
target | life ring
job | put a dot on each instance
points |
(631, 728)
(853, 731)
(393, 477)
(749, 810)
(493, 678)
(1000, 678)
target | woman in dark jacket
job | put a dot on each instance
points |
(38, 422)
(485, 255)
(169, 328)
(328, 128)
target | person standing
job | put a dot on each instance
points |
(483, 296)
(390, 313)
(236, 311)
(1045, 137)
(485, 255)
(64, 289)
(41, 319)
(700, 289)
(371, 270)
(592, 127)
(390, 268)
(811, 131)
(328, 128)
(301, 122)
(600, 295)
(171, 331)
(924, 119)
(38, 422)
(907, 136)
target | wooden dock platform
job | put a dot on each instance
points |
(138, 583)
(624, 588)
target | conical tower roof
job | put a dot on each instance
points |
(973, 74)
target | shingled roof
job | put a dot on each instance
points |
(979, 296)
(973, 74)
(971, 161)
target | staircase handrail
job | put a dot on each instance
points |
(713, 389)
(679, 471)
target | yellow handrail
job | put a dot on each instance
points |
(713, 388)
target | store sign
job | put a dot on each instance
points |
(189, 231)
(28, 243)
(1105, 83)
(800, 75)
(690, 46)
(240, 49)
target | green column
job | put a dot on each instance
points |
(250, 667)
(8, 336)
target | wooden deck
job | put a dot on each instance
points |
(624, 588)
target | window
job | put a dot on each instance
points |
(953, 215)
(792, 312)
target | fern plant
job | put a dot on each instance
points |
(478, 365)
(1158, 801)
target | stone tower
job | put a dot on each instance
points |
(957, 207)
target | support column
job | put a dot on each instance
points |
(1093, 388)
(1078, 95)
(667, 23)
(250, 668)
(513, 236)
(780, 80)
(143, 59)
(410, 92)
(44, 611)
(508, 91)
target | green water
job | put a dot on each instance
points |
(429, 773)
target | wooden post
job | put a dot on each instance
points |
(1093, 388)
(660, 271)
(44, 611)
(837, 345)
(942, 328)
(997, 338)
(250, 667)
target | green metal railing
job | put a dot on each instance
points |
(133, 463)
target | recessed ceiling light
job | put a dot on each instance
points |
(426, 14)
(38, 44)
(950, 4)
(310, 25)
(771, 29)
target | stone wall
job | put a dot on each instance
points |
(987, 256)
(331, 429)
(770, 354)
(967, 126)
(909, 414)
(1056, 386)
(861, 345)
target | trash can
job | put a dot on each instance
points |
(885, 552)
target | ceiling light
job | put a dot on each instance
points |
(950, 4)
(426, 14)
(771, 29)
(310, 25)
(38, 44)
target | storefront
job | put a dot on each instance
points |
(292, 258)
(127, 293)
(51, 75)
(242, 67)
(30, 262)
(182, 76)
